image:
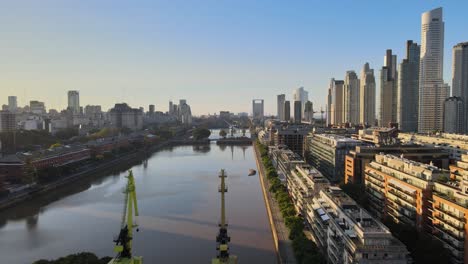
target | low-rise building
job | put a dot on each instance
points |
(105, 145)
(348, 233)
(327, 153)
(12, 167)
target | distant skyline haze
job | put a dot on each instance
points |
(217, 55)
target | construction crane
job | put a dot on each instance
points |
(222, 238)
(123, 243)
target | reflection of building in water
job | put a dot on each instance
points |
(201, 148)
(31, 222)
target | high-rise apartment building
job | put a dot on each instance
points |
(308, 111)
(287, 111)
(74, 101)
(367, 96)
(329, 103)
(171, 108)
(7, 121)
(454, 115)
(302, 95)
(280, 106)
(432, 89)
(460, 76)
(297, 112)
(257, 108)
(12, 104)
(123, 116)
(408, 89)
(337, 106)
(388, 90)
(351, 97)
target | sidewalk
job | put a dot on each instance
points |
(281, 232)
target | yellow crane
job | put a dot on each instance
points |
(222, 238)
(123, 243)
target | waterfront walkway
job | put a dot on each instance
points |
(280, 232)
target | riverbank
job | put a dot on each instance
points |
(14, 199)
(280, 232)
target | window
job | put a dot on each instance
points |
(365, 255)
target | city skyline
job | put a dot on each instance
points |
(111, 55)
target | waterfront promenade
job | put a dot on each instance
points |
(283, 244)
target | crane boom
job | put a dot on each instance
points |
(123, 243)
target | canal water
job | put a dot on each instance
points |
(179, 203)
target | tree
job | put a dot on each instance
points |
(201, 133)
(222, 133)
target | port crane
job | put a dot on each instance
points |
(123, 242)
(222, 239)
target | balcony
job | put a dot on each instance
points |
(459, 227)
(449, 233)
(450, 198)
(403, 197)
(449, 213)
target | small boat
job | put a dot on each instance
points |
(252, 172)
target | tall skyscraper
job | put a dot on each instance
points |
(454, 115)
(257, 108)
(280, 106)
(388, 90)
(297, 112)
(367, 96)
(329, 103)
(432, 89)
(12, 104)
(302, 95)
(351, 98)
(408, 89)
(74, 101)
(460, 76)
(309, 111)
(337, 111)
(171, 108)
(287, 111)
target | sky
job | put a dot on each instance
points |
(219, 55)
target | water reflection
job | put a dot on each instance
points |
(179, 208)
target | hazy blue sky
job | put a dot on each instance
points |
(216, 54)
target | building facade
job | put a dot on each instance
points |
(280, 100)
(123, 116)
(460, 76)
(74, 101)
(287, 111)
(297, 112)
(408, 89)
(401, 189)
(7, 121)
(455, 144)
(454, 115)
(257, 108)
(338, 108)
(12, 104)
(367, 96)
(432, 89)
(352, 97)
(348, 233)
(327, 153)
(388, 90)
